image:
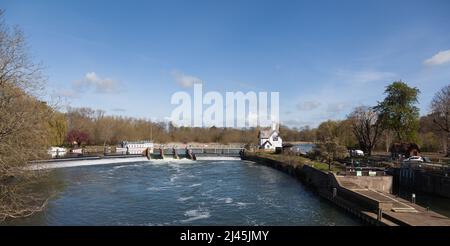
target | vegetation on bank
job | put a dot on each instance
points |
(26, 126)
(297, 160)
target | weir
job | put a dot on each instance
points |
(204, 151)
(165, 154)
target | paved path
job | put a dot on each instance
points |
(403, 211)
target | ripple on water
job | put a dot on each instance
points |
(196, 214)
(173, 178)
(226, 199)
(182, 199)
(244, 204)
(158, 188)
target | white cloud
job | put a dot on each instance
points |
(438, 59)
(185, 80)
(364, 76)
(101, 85)
(308, 105)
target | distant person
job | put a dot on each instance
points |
(189, 154)
(147, 153)
(186, 152)
(174, 152)
(242, 152)
(161, 152)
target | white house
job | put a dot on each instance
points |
(57, 151)
(269, 139)
(137, 147)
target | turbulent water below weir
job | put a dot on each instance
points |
(183, 193)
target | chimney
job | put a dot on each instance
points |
(275, 126)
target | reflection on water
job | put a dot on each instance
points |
(173, 193)
(302, 148)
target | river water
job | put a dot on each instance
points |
(183, 193)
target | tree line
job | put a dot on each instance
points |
(394, 119)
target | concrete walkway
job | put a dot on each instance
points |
(402, 212)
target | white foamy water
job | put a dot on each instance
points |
(158, 188)
(226, 200)
(182, 199)
(90, 162)
(196, 214)
(128, 165)
(243, 204)
(218, 158)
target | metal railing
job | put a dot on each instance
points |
(433, 167)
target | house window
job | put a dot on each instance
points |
(275, 138)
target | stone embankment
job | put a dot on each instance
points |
(368, 198)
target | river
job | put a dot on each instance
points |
(183, 192)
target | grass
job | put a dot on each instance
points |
(295, 160)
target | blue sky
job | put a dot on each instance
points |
(324, 57)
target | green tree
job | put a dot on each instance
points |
(330, 151)
(398, 112)
(336, 131)
(328, 131)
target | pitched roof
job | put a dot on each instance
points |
(266, 133)
(267, 142)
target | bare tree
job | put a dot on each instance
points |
(23, 125)
(440, 111)
(366, 127)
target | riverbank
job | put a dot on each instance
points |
(367, 198)
(298, 161)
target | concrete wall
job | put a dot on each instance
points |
(323, 183)
(378, 183)
(321, 180)
(314, 177)
(423, 181)
(310, 176)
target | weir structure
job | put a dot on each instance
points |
(162, 153)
